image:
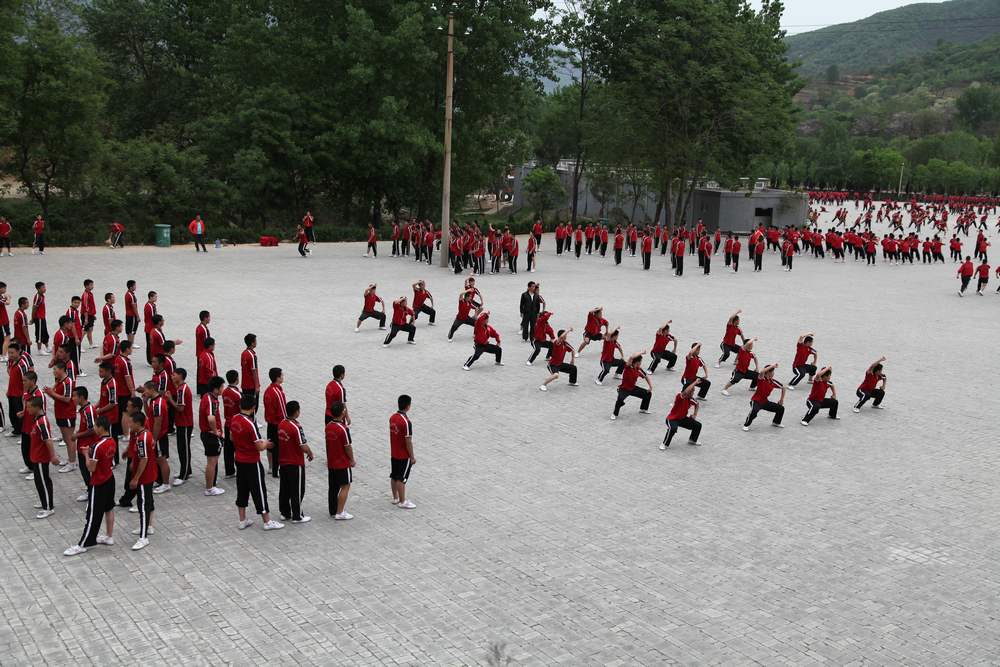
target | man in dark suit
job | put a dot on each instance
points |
(531, 304)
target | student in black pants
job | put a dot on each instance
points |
(761, 398)
(681, 416)
(817, 397)
(633, 372)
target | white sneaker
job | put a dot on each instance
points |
(804, 422)
(304, 519)
(383, 328)
(141, 543)
(214, 491)
(178, 481)
(542, 388)
(746, 428)
(597, 382)
(614, 417)
(574, 384)
(162, 488)
(30, 477)
(411, 342)
(245, 524)
(133, 510)
(499, 363)
(878, 407)
(37, 506)
(777, 425)
(663, 447)
(136, 346)
(82, 498)
(357, 329)
(725, 392)
(22, 470)
(344, 516)
(407, 505)
(81, 374)
(75, 550)
(149, 531)
(69, 467)
(105, 540)
(527, 363)
(466, 368)
(643, 412)
(718, 365)
(856, 409)
(45, 514)
(694, 442)
(273, 525)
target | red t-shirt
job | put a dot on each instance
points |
(244, 434)
(130, 305)
(145, 447)
(123, 372)
(85, 422)
(660, 342)
(483, 332)
(147, 314)
(104, 454)
(63, 409)
(743, 359)
(206, 367)
(248, 368)
(291, 438)
(818, 391)
(419, 296)
(559, 352)
(209, 406)
(184, 409)
(802, 352)
(109, 396)
(338, 437)
(231, 397)
(764, 388)
(201, 332)
(40, 432)
(400, 313)
(274, 404)
(157, 408)
(679, 410)
(335, 392)
(732, 331)
(691, 366)
(608, 350)
(631, 374)
(870, 382)
(370, 300)
(400, 427)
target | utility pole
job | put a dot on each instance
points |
(446, 179)
(899, 190)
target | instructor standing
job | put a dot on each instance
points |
(531, 305)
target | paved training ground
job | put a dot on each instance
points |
(541, 524)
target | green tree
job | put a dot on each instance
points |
(53, 130)
(543, 189)
(978, 106)
(832, 74)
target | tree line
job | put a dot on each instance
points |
(249, 113)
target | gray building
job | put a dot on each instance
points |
(727, 210)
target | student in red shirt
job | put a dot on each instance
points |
(141, 478)
(744, 357)
(482, 334)
(659, 352)
(111, 343)
(38, 318)
(423, 301)
(207, 367)
(42, 452)
(872, 387)
(371, 301)
(65, 411)
(728, 344)
(531, 250)
(231, 397)
(542, 336)
(801, 366)
(4, 318)
(201, 333)
(250, 475)
(678, 255)
(557, 361)
(275, 411)
(372, 242)
(131, 313)
(38, 229)
(85, 435)
(156, 423)
(608, 360)
(148, 313)
(88, 311)
(647, 251)
(101, 493)
(292, 453)
(183, 422)
(340, 462)
(5, 230)
(594, 329)
(630, 375)
(619, 245)
(965, 272)
(249, 374)
(401, 456)
(466, 310)
(210, 427)
(681, 415)
(761, 398)
(17, 366)
(983, 271)
(692, 364)
(402, 320)
(817, 400)
(336, 393)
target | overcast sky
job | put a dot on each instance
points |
(806, 15)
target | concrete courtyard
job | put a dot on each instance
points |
(542, 528)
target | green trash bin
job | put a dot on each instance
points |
(162, 234)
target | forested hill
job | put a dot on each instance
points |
(892, 36)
